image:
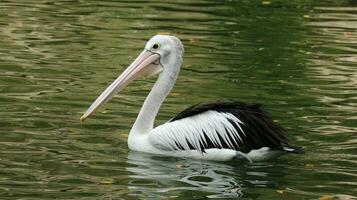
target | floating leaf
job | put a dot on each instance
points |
(174, 94)
(107, 182)
(280, 191)
(124, 135)
(266, 2)
(309, 166)
(326, 197)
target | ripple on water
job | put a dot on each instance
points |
(298, 58)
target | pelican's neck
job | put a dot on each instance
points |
(145, 121)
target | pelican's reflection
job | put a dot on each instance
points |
(155, 176)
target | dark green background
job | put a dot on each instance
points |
(298, 58)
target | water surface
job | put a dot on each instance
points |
(298, 58)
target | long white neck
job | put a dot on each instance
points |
(145, 121)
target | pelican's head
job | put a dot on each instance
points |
(169, 48)
(162, 54)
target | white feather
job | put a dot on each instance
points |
(192, 130)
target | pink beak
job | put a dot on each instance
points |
(142, 65)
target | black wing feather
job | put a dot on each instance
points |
(259, 128)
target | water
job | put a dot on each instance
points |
(298, 58)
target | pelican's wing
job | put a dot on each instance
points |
(237, 126)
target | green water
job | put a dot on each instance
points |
(298, 58)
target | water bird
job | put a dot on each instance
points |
(219, 131)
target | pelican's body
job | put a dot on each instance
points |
(220, 131)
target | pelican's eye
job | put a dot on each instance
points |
(156, 46)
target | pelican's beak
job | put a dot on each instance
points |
(146, 64)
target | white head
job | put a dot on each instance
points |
(162, 54)
(168, 47)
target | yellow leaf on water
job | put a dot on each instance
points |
(124, 135)
(106, 182)
(280, 191)
(309, 165)
(179, 166)
(174, 94)
(307, 16)
(326, 197)
(266, 2)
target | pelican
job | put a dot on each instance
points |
(220, 131)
